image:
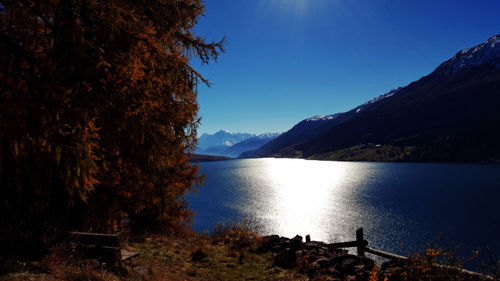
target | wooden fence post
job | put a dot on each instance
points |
(360, 242)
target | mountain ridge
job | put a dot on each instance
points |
(229, 144)
(447, 115)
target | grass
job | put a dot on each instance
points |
(171, 258)
(163, 257)
(229, 254)
(368, 153)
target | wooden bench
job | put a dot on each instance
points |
(103, 247)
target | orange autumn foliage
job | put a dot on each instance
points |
(97, 109)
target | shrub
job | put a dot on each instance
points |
(239, 236)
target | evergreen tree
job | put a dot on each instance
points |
(97, 110)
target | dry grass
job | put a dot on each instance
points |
(166, 257)
(429, 266)
(239, 237)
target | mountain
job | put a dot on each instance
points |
(249, 144)
(195, 158)
(304, 130)
(222, 138)
(485, 53)
(225, 143)
(448, 115)
(307, 129)
(215, 144)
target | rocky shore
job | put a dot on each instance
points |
(323, 261)
(316, 258)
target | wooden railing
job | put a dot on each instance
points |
(361, 245)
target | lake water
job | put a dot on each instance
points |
(401, 206)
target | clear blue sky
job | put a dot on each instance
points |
(288, 60)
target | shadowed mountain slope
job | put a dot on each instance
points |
(451, 114)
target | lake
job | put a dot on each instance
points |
(402, 206)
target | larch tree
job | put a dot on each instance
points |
(98, 108)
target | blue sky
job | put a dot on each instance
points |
(287, 60)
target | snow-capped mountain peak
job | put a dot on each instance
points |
(477, 55)
(222, 138)
(223, 132)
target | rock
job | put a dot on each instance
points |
(310, 258)
(323, 251)
(313, 244)
(276, 249)
(334, 251)
(267, 244)
(323, 261)
(271, 239)
(345, 264)
(297, 238)
(349, 264)
(315, 266)
(286, 259)
(318, 258)
(314, 252)
(332, 270)
(359, 268)
(296, 242)
(285, 243)
(369, 263)
(398, 269)
(300, 253)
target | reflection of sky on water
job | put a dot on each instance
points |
(401, 206)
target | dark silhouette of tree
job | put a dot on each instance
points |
(97, 110)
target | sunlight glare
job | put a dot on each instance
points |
(307, 194)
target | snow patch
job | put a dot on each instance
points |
(376, 99)
(268, 135)
(322, 117)
(477, 55)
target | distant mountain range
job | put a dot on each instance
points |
(452, 114)
(226, 143)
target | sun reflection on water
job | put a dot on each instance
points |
(399, 209)
(302, 197)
